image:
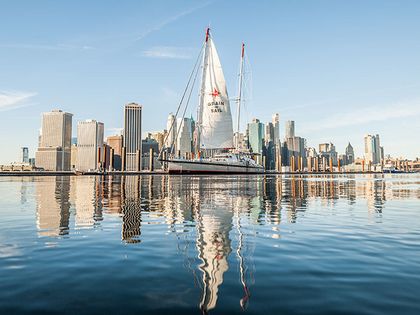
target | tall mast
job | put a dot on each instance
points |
(241, 69)
(202, 89)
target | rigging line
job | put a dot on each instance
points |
(188, 100)
(248, 87)
(195, 69)
(181, 101)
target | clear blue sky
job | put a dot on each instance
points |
(340, 69)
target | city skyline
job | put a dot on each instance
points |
(337, 84)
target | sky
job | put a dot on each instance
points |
(339, 69)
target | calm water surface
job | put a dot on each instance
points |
(207, 244)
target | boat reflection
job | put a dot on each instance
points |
(215, 214)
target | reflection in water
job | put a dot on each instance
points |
(216, 214)
(214, 222)
(131, 208)
(53, 206)
(84, 201)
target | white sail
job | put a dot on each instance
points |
(216, 129)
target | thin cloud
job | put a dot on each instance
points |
(169, 21)
(367, 115)
(14, 99)
(53, 47)
(166, 52)
(345, 97)
(131, 38)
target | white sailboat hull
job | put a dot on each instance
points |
(210, 167)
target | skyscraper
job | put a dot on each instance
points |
(290, 129)
(294, 147)
(132, 136)
(378, 150)
(277, 142)
(24, 155)
(171, 126)
(276, 126)
(54, 149)
(370, 149)
(184, 136)
(90, 137)
(269, 133)
(373, 150)
(256, 136)
(349, 154)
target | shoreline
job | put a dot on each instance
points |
(159, 172)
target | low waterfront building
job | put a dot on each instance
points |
(159, 137)
(116, 144)
(17, 167)
(50, 159)
(73, 158)
(240, 141)
(327, 151)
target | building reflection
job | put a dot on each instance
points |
(265, 199)
(131, 208)
(24, 189)
(213, 217)
(83, 193)
(53, 206)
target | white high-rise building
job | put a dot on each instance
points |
(54, 149)
(184, 139)
(369, 149)
(373, 150)
(171, 127)
(132, 136)
(90, 137)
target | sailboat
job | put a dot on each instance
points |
(213, 139)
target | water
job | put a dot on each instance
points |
(207, 244)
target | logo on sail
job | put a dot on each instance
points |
(215, 93)
(215, 104)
